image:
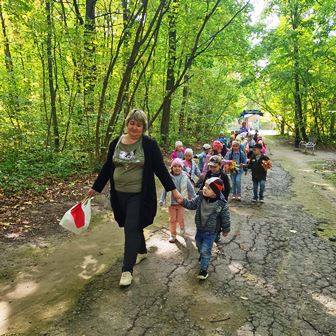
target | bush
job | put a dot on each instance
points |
(21, 170)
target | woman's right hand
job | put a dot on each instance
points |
(89, 194)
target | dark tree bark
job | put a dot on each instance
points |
(13, 102)
(90, 75)
(282, 126)
(52, 91)
(300, 127)
(170, 74)
(184, 105)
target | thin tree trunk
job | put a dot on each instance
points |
(90, 75)
(51, 78)
(300, 129)
(170, 80)
(282, 126)
(185, 96)
(13, 105)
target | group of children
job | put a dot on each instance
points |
(242, 151)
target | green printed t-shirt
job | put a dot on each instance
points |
(129, 162)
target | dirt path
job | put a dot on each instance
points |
(310, 189)
(271, 276)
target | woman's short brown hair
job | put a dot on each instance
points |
(139, 116)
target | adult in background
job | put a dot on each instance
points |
(243, 128)
(255, 136)
(131, 163)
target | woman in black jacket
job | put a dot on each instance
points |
(132, 161)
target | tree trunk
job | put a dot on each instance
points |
(89, 61)
(282, 126)
(185, 96)
(300, 128)
(13, 102)
(332, 125)
(52, 90)
(170, 81)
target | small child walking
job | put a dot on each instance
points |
(263, 145)
(190, 167)
(212, 212)
(201, 157)
(185, 188)
(259, 173)
(178, 152)
(237, 155)
(216, 170)
(201, 160)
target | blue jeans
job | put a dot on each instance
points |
(204, 242)
(236, 182)
(261, 186)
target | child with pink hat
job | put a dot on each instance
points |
(185, 188)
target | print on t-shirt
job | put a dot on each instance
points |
(127, 156)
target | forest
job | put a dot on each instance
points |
(72, 69)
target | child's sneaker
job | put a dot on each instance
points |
(182, 231)
(140, 257)
(233, 197)
(126, 279)
(261, 200)
(202, 275)
(254, 199)
(238, 198)
(172, 239)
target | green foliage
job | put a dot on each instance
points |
(69, 79)
(310, 27)
(28, 169)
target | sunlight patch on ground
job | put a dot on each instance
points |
(323, 185)
(90, 267)
(328, 302)
(306, 170)
(4, 314)
(22, 290)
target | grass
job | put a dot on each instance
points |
(327, 168)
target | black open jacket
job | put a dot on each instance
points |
(153, 165)
(258, 172)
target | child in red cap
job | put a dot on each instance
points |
(212, 212)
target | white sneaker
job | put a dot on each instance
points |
(172, 239)
(140, 257)
(182, 231)
(126, 279)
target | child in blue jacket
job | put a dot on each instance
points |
(212, 212)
